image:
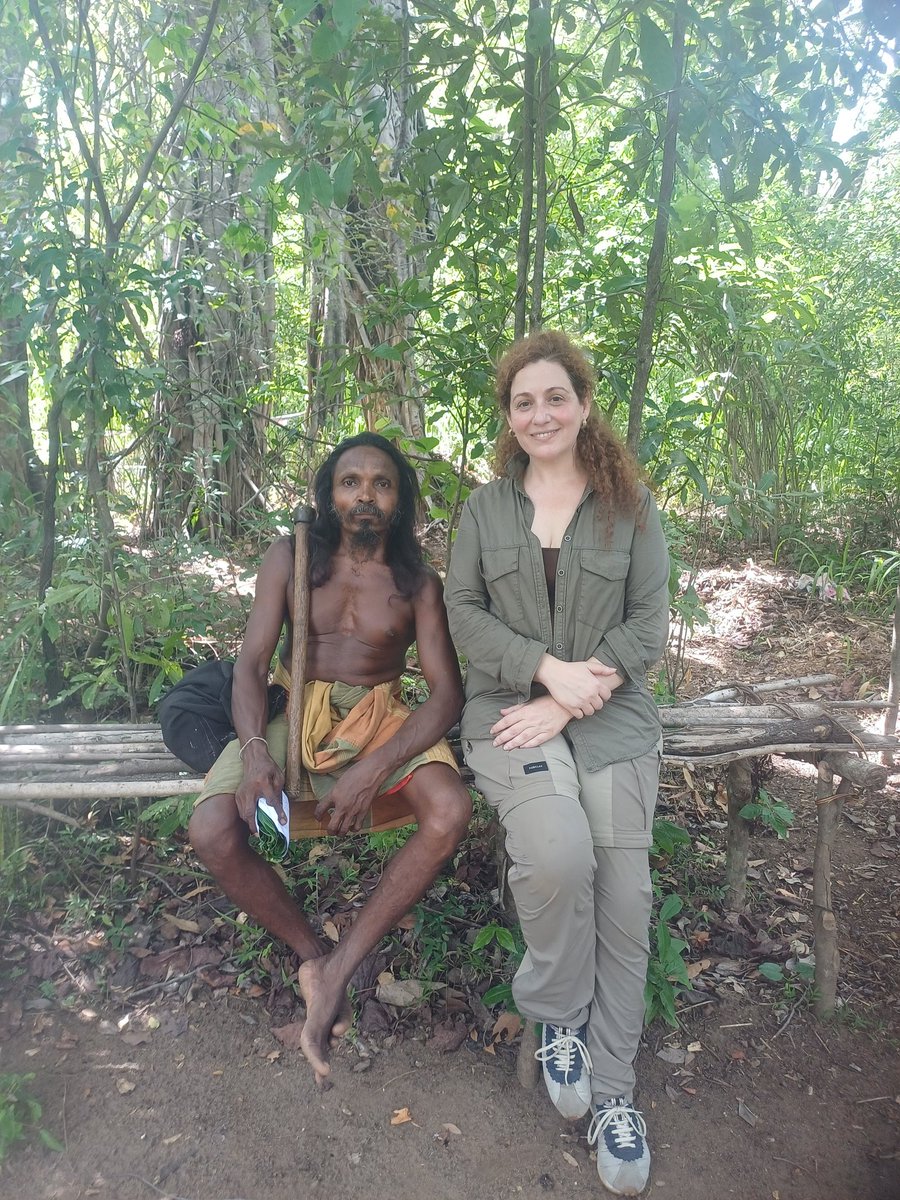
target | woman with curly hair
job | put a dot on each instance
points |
(557, 595)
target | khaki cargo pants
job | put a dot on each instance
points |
(578, 844)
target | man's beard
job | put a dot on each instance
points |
(364, 540)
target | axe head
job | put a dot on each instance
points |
(304, 514)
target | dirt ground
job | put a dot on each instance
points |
(182, 1090)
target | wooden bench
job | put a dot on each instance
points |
(43, 765)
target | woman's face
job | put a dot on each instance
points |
(545, 414)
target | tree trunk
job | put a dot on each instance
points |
(526, 213)
(19, 463)
(540, 182)
(644, 349)
(216, 340)
(382, 253)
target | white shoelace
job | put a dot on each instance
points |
(625, 1122)
(562, 1051)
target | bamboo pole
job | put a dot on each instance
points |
(303, 518)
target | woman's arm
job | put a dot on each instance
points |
(479, 634)
(515, 661)
(639, 640)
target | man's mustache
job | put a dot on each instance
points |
(366, 510)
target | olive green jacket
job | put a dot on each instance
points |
(612, 602)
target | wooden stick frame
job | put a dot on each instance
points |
(304, 516)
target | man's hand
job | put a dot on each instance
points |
(581, 688)
(262, 777)
(349, 800)
(524, 726)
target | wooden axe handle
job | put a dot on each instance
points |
(303, 518)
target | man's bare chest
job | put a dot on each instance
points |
(365, 608)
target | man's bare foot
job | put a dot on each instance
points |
(328, 1014)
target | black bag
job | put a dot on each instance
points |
(195, 715)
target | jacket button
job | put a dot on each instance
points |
(559, 608)
(559, 645)
(560, 572)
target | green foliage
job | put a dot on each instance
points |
(165, 607)
(168, 815)
(856, 577)
(500, 994)
(795, 977)
(20, 1114)
(773, 403)
(666, 971)
(773, 813)
(667, 838)
(495, 933)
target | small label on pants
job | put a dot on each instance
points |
(533, 768)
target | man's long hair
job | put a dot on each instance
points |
(403, 552)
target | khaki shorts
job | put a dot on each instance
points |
(389, 811)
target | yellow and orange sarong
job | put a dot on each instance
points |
(341, 723)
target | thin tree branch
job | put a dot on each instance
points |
(69, 102)
(41, 810)
(177, 105)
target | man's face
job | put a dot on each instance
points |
(365, 494)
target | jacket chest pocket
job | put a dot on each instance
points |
(500, 570)
(601, 592)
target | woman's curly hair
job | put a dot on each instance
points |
(612, 470)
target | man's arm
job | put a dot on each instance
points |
(353, 795)
(249, 699)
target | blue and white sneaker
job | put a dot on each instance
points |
(567, 1068)
(623, 1156)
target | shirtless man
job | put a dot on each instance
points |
(371, 597)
